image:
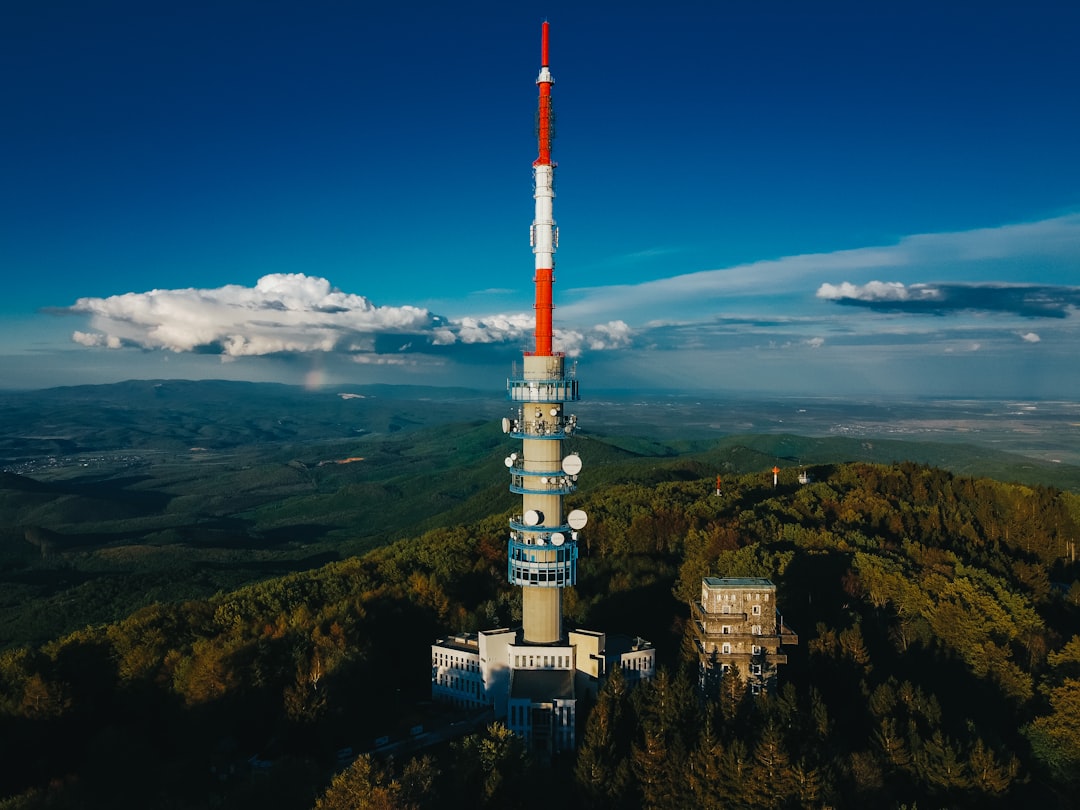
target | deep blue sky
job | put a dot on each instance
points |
(844, 198)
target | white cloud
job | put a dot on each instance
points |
(283, 312)
(878, 291)
(1030, 337)
(294, 313)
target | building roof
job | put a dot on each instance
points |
(466, 642)
(620, 644)
(542, 685)
(739, 582)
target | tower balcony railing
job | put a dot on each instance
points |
(552, 482)
(542, 427)
(555, 389)
(538, 535)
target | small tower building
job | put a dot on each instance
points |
(737, 623)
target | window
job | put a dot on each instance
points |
(726, 629)
(755, 649)
(725, 648)
(756, 610)
(756, 629)
(755, 669)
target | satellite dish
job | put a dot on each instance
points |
(571, 465)
(534, 517)
(577, 519)
(509, 462)
(557, 539)
(554, 411)
(506, 425)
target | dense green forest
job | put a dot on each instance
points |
(938, 662)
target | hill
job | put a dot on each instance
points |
(938, 618)
(120, 496)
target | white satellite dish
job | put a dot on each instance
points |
(506, 425)
(534, 517)
(509, 462)
(577, 519)
(571, 465)
(554, 411)
(557, 539)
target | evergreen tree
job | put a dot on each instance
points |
(603, 759)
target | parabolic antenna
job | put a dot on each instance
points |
(557, 538)
(554, 411)
(571, 465)
(577, 519)
(509, 462)
(534, 517)
(506, 425)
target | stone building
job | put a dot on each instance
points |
(737, 623)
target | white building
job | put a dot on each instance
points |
(533, 689)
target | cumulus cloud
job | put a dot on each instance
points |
(1030, 337)
(1027, 300)
(283, 312)
(290, 313)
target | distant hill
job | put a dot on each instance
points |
(119, 495)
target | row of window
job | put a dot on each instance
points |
(458, 684)
(542, 661)
(441, 659)
(755, 610)
(725, 649)
(755, 629)
(519, 715)
(640, 663)
(734, 597)
(559, 577)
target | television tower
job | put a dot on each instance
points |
(533, 676)
(543, 548)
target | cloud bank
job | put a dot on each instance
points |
(773, 305)
(292, 313)
(1026, 300)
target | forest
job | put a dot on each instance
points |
(938, 662)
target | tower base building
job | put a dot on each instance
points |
(534, 689)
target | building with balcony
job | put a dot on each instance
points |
(737, 623)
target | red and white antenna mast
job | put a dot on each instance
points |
(544, 236)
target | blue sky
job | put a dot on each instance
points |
(842, 198)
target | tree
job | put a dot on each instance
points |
(492, 766)
(603, 761)
(370, 785)
(1055, 737)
